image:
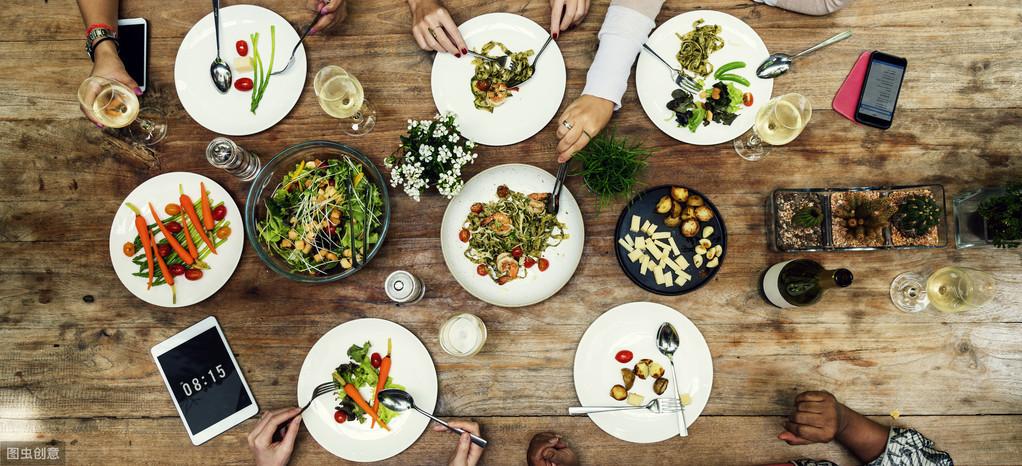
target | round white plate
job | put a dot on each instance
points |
(537, 286)
(412, 367)
(523, 114)
(633, 326)
(229, 113)
(162, 190)
(654, 84)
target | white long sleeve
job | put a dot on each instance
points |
(808, 7)
(625, 29)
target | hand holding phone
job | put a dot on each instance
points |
(879, 96)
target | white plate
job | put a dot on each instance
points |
(412, 367)
(162, 190)
(633, 327)
(229, 113)
(654, 84)
(523, 114)
(537, 286)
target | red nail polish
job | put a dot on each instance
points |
(555, 35)
(138, 90)
(464, 50)
(457, 55)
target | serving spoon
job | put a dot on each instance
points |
(779, 63)
(399, 400)
(219, 71)
(667, 341)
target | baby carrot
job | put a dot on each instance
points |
(143, 234)
(207, 212)
(189, 207)
(170, 238)
(163, 269)
(188, 238)
(381, 383)
(352, 392)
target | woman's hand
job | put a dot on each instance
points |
(260, 440)
(467, 453)
(434, 29)
(818, 418)
(547, 449)
(108, 64)
(580, 122)
(565, 14)
(333, 11)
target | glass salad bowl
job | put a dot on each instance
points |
(299, 227)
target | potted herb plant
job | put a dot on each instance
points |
(989, 216)
(610, 166)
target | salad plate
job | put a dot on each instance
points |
(160, 191)
(412, 367)
(527, 110)
(533, 285)
(229, 113)
(654, 82)
(633, 327)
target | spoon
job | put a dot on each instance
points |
(779, 63)
(667, 342)
(399, 400)
(219, 70)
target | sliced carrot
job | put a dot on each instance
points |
(381, 382)
(207, 212)
(143, 235)
(163, 268)
(189, 207)
(170, 238)
(352, 392)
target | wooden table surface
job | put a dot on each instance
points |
(76, 366)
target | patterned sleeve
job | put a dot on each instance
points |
(907, 447)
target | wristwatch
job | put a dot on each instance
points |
(95, 37)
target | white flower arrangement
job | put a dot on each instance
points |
(431, 154)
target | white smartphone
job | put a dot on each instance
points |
(205, 382)
(133, 40)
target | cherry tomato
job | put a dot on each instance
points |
(330, 229)
(483, 85)
(464, 235)
(193, 274)
(623, 356)
(243, 84)
(339, 416)
(176, 269)
(172, 209)
(129, 249)
(163, 249)
(529, 262)
(482, 270)
(477, 207)
(516, 252)
(376, 360)
(174, 227)
(219, 213)
(543, 264)
(223, 232)
(242, 48)
(747, 99)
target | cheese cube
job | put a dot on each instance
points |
(668, 279)
(674, 246)
(673, 265)
(659, 276)
(645, 266)
(682, 262)
(661, 235)
(635, 223)
(634, 255)
(651, 229)
(625, 244)
(645, 226)
(629, 240)
(640, 243)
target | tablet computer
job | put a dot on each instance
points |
(204, 380)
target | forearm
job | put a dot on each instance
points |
(99, 12)
(864, 438)
(809, 7)
(625, 29)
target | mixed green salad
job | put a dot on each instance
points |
(323, 216)
(718, 103)
(361, 372)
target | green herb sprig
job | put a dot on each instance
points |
(610, 166)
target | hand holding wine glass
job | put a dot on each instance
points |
(107, 65)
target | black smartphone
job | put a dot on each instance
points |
(880, 90)
(134, 48)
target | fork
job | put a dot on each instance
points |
(657, 406)
(683, 80)
(532, 66)
(320, 390)
(301, 39)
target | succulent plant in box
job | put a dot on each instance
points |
(864, 218)
(916, 215)
(808, 217)
(1003, 215)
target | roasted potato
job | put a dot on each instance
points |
(694, 201)
(660, 386)
(676, 208)
(642, 368)
(618, 392)
(672, 221)
(635, 399)
(688, 213)
(679, 194)
(656, 370)
(664, 205)
(628, 377)
(690, 228)
(705, 243)
(704, 214)
(707, 231)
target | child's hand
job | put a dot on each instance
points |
(818, 418)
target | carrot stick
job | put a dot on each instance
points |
(207, 212)
(352, 392)
(189, 207)
(163, 268)
(142, 227)
(170, 238)
(188, 238)
(381, 383)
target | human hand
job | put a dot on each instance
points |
(334, 11)
(108, 65)
(586, 116)
(434, 29)
(818, 418)
(565, 14)
(547, 449)
(260, 440)
(467, 453)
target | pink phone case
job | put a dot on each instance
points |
(847, 97)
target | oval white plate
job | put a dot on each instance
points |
(537, 286)
(633, 326)
(229, 113)
(654, 84)
(162, 190)
(412, 367)
(527, 111)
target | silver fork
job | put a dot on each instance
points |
(532, 65)
(657, 406)
(301, 39)
(320, 390)
(683, 80)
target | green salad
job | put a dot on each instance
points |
(361, 373)
(322, 217)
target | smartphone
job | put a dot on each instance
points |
(134, 48)
(880, 90)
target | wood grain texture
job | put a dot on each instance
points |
(76, 366)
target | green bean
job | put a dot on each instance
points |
(735, 78)
(735, 65)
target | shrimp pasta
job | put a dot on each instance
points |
(491, 85)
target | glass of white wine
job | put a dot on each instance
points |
(948, 289)
(779, 122)
(341, 96)
(115, 106)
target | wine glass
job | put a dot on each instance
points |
(948, 289)
(341, 96)
(115, 106)
(779, 122)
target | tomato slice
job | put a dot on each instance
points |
(193, 274)
(623, 356)
(543, 264)
(242, 48)
(482, 270)
(243, 84)
(529, 262)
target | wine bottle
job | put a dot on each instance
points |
(801, 282)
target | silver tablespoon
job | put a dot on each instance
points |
(779, 63)
(667, 342)
(399, 400)
(219, 71)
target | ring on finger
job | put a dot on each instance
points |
(431, 32)
(567, 124)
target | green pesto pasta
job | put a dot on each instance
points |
(491, 85)
(696, 47)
